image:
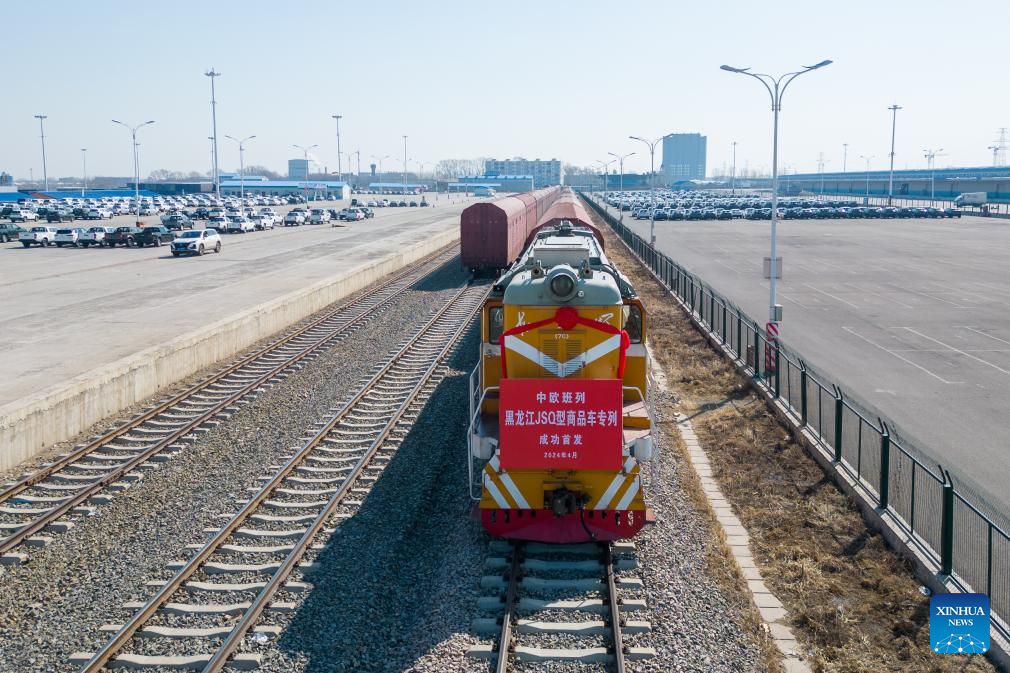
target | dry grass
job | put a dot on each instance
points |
(854, 604)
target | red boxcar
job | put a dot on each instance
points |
(568, 206)
(492, 234)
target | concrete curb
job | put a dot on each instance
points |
(35, 423)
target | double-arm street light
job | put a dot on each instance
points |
(241, 161)
(776, 87)
(213, 74)
(305, 154)
(931, 156)
(651, 144)
(867, 158)
(136, 160)
(380, 160)
(894, 126)
(340, 171)
(604, 165)
(620, 161)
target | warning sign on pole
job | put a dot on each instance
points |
(771, 347)
(567, 424)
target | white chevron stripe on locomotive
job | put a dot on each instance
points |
(510, 485)
(562, 369)
(615, 485)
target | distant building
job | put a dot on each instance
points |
(501, 183)
(311, 189)
(299, 169)
(545, 173)
(684, 157)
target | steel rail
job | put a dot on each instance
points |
(511, 595)
(101, 482)
(614, 602)
(234, 639)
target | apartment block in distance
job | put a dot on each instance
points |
(545, 173)
(684, 157)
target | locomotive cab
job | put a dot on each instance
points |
(560, 419)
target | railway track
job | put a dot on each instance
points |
(537, 583)
(197, 621)
(46, 500)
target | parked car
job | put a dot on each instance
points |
(122, 236)
(196, 242)
(23, 215)
(348, 214)
(154, 234)
(94, 236)
(40, 236)
(294, 219)
(263, 221)
(177, 221)
(947, 212)
(59, 215)
(68, 236)
(9, 232)
(367, 212)
(239, 224)
(319, 216)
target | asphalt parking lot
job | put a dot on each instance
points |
(913, 316)
(66, 310)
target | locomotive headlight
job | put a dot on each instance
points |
(562, 283)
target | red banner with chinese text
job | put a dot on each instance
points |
(563, 424)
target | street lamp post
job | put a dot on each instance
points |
(404, 164)
(845, 156)
(213, 74)
(340, 172)
(379, 159)
(652, 183)
(136, 159)
(894, 123)
(620, 158)
(241, 162)
(776, 87)
(863, 156)
(357, 175)
(42, 131)
(931, 156)
(604, 165)
(84, 165)
(732, 179)
(305, 155)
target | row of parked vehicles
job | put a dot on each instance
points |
(128, 237)
(299, 216)
(390, 203)
(705, 205)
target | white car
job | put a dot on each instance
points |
(263, 221)
(196, 242)
(68, 236)
(101, 213)
(23, 215)
(294, 218)
(319, 216)
(94, 236)
(238, 224)
(41, 236)
(217, 222)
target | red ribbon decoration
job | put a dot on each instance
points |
(567, 318)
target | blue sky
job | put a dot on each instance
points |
(567, 80)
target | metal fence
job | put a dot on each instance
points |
(970, 549)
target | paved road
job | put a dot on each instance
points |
(64, 311)
(911, 315)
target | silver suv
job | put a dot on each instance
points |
(196, 242)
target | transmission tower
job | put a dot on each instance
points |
(999, 148)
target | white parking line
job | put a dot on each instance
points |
(846, 269)
(828, 294)
(900, 357)
(976, 331)
(934, 297)
(878, 294)
(957, 350)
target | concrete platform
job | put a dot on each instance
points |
(912, 315)
(88, 332)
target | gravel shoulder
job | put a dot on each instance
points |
(54, 604)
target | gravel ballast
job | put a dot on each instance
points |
(55, 603)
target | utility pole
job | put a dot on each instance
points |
(340, 172)
(821, 161)
(604, 164)
(42, 130)
(213, 116)
(931, 156)
(84, 162)
(894, 124)
(845, 156)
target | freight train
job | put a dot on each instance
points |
(494, 233)
(560, 422)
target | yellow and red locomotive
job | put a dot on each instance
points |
(559, 417)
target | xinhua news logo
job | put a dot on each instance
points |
(959, 623)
